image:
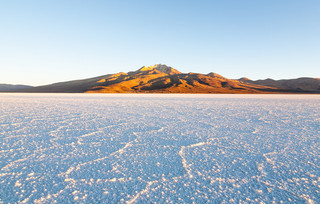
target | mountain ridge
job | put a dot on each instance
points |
(160, 78)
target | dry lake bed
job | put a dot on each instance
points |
(137, 148)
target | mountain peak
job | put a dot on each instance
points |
(244, 79)
(161, 68)
(215, 75)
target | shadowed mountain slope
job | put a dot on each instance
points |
(164, 79)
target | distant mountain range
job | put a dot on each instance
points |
(165, 79)
(10, 87)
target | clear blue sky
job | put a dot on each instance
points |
(42, 42)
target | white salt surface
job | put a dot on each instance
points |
(159, 148)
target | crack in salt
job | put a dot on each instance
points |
(144, 191)
(119, 151)
(184, 162)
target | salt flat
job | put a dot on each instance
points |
(159, 148)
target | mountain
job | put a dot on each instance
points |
(165, 79)
(10, 87)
